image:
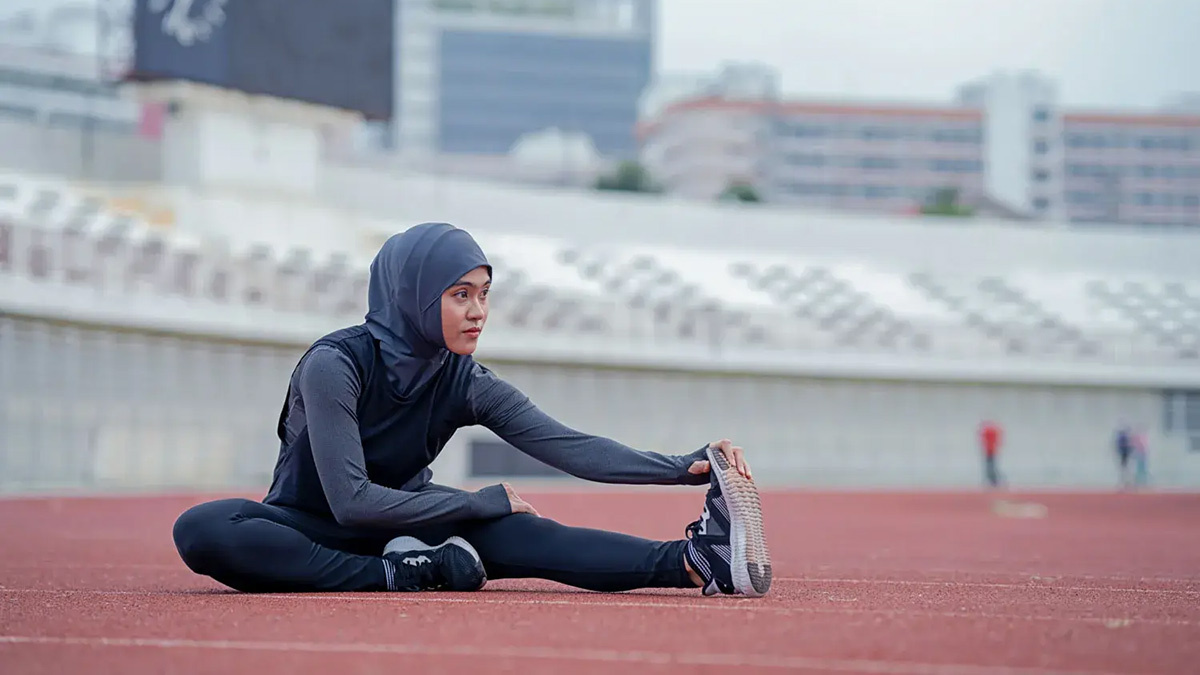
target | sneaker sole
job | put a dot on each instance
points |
(751, 565)
(406, 544)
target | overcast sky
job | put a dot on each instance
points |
(1102, 53)
(1127, 53)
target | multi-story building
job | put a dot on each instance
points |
(1087, 166)
(1022, 154)
(1131, 168)
(876, 157)
(1005, 142)
(475, 76)
(61, 90)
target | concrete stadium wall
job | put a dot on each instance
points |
(106, 407)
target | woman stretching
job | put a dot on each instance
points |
(352, 507)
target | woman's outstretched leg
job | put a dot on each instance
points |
(523, 546)
(725, 548)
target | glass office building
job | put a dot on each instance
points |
(474, 76)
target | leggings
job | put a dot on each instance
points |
(255, 547)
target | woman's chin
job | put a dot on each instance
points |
(464, 346)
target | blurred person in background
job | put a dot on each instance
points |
(352, 507)
(1141, 460)
(1124, 447)
(990, 436)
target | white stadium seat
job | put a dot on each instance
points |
(51, 235)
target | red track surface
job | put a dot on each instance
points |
(865, 583)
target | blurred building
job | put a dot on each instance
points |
(888, 157)
(1131, 168)
(474, 76)
(1021, 128)
(1087, 166)
(1004, 144)
(60, 89)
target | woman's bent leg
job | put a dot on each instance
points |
(526, 546)
(255, 547)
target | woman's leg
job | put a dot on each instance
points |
(526, 546)
(256, 547)
(726, 548)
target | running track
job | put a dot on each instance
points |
(910, 583)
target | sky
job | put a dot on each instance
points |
(1102, 53)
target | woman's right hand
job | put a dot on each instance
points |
(518, 505)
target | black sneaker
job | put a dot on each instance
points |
(726, 545)
(413, 565)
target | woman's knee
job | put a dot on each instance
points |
(510, 530)
(203, 530)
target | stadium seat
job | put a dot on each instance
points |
(52, 234)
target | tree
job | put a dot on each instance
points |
(945, 202)
(629, 177)
(740, 192)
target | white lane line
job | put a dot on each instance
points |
(1032, 585)
(1036, 583)
(551, 653)
(584, 599)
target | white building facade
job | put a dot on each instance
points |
(1005, 139)
(881, 158)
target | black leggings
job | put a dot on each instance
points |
(255, 547)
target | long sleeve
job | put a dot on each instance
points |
(501, 407)
(329, 388)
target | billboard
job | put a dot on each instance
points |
(338, 54)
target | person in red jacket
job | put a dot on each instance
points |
(990, 436)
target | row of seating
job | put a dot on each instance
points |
(1007, 315)
(1169, 313)
(50, 235)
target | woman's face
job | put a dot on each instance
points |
(465, 310)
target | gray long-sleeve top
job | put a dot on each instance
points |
(325, 392)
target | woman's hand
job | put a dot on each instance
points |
(733, 453)
(518, 505)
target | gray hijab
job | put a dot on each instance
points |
(404, 309)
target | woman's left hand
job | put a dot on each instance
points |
(733, 453)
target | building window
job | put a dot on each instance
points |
(1191, 201)
(19, 112)
(1080, 197)
(1041, 147)
(1041, 115)
(878, 191)
(956, 165)
(1041, 203)
(807, 131)
(957, 135)
(880, 133)
(879, 163)
(798, 159)
(1041, 176)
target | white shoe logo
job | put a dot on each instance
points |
(704, 518)
(415, 561)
